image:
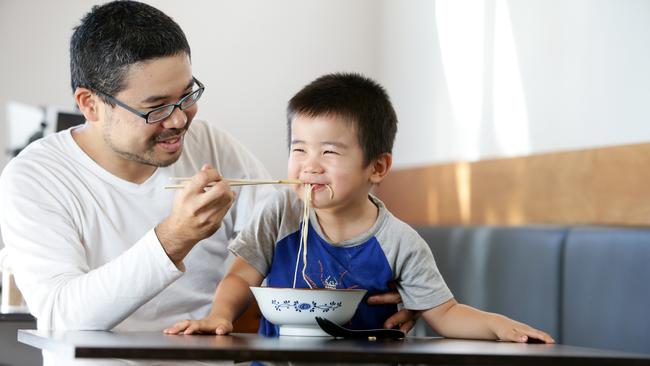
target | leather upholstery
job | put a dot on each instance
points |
(513, 271)
(606, 292)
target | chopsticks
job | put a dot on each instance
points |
(234, 182)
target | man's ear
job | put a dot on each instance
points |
(88, 103)
(380, 167)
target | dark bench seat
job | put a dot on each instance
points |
(585, 286)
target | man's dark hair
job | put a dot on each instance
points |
(355, 98)
(116, 35)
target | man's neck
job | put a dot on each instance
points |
(347, 222)
(96, 149)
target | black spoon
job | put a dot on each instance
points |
(338, 331)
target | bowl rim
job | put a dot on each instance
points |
(312, 289)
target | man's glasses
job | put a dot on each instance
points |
(158, 114)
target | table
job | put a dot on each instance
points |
(17, 317)
(244, 347)
(12, 352)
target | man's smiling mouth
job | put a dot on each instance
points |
(171, 144)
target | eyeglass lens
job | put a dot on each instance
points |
(158, 115)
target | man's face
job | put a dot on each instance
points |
(151, 84)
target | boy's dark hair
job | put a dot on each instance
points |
(115, 35)
(355, 98)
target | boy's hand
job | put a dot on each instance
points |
(513, 331)
(216, 326)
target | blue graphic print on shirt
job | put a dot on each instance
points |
(362, 266)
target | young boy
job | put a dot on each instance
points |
(341, 132)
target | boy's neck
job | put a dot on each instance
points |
(343, 223)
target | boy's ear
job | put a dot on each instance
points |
(380, 168)
(88, 103)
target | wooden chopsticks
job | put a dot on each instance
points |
(234, 182)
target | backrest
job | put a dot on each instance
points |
(606, 292)
(514, 271)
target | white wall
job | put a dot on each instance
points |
(255, 55)
(412, 73)
(252, 55)
(479, 79)
(34, 40)
(469, 79)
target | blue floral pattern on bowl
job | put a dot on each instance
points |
(303, 306)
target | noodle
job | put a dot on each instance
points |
(302, 246)
(304, 231)
(331, 191)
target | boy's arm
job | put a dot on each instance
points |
(233, 294)
(231, 299)
(454, 320)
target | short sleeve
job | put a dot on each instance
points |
(419, 281)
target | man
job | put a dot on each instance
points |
(95, 240)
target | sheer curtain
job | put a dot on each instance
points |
(483, 78)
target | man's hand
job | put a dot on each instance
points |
(404, 318)
(197, 213)
(206, 325)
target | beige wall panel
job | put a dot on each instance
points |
(605, 186)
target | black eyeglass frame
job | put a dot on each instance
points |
(196, 94)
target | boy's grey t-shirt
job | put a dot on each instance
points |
(389, 251)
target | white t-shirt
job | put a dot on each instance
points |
(81, 241)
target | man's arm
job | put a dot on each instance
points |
(53, 273)
(51, 263)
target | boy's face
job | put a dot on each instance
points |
(149, 85)
(325, 151)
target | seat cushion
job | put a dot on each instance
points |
(514, 271)
(606, 294)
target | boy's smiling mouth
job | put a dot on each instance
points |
(315, 187)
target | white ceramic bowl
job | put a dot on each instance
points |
(295, 309)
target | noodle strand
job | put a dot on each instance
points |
(302, 246)
(304, 232)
